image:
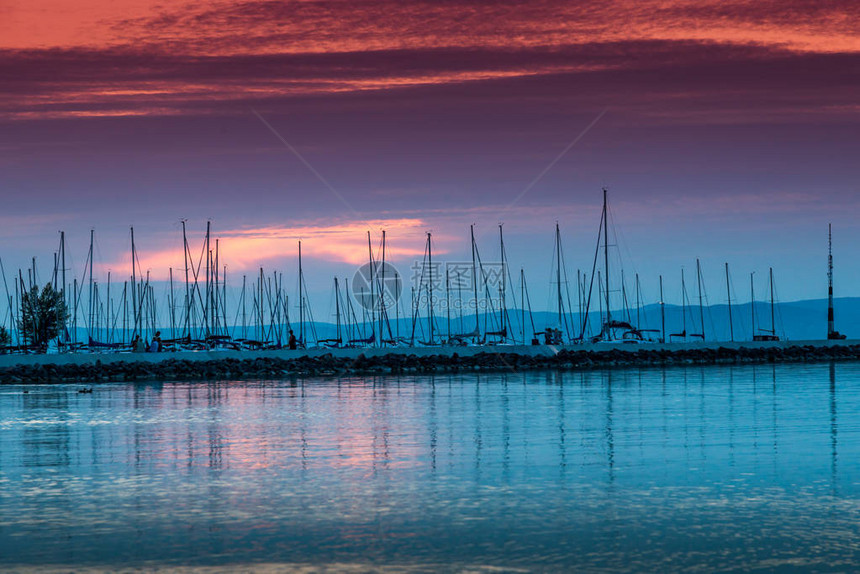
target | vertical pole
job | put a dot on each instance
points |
(301, 300)
(430, 285)
(752, 304)
(382, 294)
(662, 313)
(558, 272)
(133, 286)
(187, 284)
(772, 317)
(475, 283)
(523, 303)
(606, 261)
(831, 328)
(729, 295)
(701, 308)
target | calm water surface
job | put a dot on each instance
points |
(698, 469)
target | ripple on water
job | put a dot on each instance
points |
(741, 468)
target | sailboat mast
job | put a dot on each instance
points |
(523, 303)
(133, 286)
(752, 303)
(729, 296)
(262, 318)
(63, 271)
(371, 280)
(91, 305)
(662, 313)
(337, 309)
(831, 329)
(606, 260)
(503, 288)
(448, 299)
(701, 308)
(187, 284)
(108, 323)
(772, 316)
(683, 304)
(208, 254)
(301, 300)
(475, 283)
(382, 294)
(430, 284)
(244, 308)
(558, 271)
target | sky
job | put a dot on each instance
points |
(724, 130)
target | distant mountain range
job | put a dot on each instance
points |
(796, 320)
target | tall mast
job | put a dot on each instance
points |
(63, 271)
(606, 262)
(448, 299)
(475, 282)
(729, 295)
(772, 317)
(503, 310)
(523, 303)
(430, 284)
(172, 306)
(301, 300)
(262, 316)
(559, 303)
(662, 313)
(208, 254)
(91, 304)
(752, 303)
(701, 308)
(109, 307)
(683, 304)
(244, 308)
(216, 308)
(337, 309)
(187, 285)
(382, 295)
(579, 287)
(831, 330)
(133, 286)
(371, 279)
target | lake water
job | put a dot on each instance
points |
(696, 469)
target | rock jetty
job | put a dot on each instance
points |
(403, 362)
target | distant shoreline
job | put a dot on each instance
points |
(237, 365)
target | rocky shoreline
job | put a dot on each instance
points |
(173, 369)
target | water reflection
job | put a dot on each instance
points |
(540, 470)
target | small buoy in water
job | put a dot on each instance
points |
(26, 391)
(85, 390)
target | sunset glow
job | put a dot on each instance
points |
(733, 117)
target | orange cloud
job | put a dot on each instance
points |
(249, 249)
(347, 47)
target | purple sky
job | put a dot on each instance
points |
(730, 134)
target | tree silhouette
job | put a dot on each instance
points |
(5, 339)
(42, 315)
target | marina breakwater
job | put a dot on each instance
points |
(237, 365)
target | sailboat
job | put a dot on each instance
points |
(766, 334)
(612, 330)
